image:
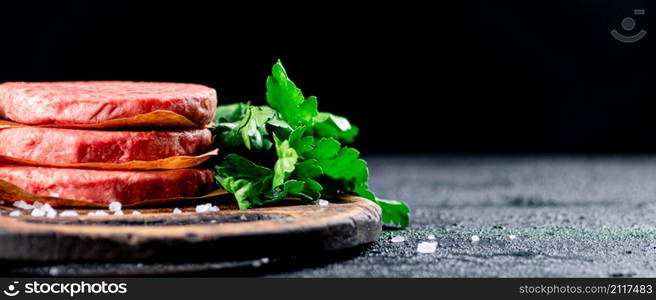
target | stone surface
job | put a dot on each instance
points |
(572, 216)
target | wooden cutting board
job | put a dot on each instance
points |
(158, 234)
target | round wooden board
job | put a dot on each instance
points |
(158, 234)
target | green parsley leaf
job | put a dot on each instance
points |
(299, 142)
(329, 125)
(243, 124)
(308, 171)
(243, 178)
(394, 212)
(230, 112)
(286, 162)
(283, 96)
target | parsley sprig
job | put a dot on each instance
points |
(289, 148)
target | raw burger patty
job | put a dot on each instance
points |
(64, 146)
(103, 187)
(90, 102)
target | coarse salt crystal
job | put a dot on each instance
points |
(398, 239)
(427, 247)
(118, 213)
(54, 195)
(37, 204)
(136, 212)
(177, 211)
(201, 208)
(51, 214)
(512, 236)
(323, 202)
(431, 237)
(97, 213)
(475, 239)
(115, 206)
(68, 213)
(37, 212)
(15, 213)
(23, 205)
(214, 208)
(47, 207)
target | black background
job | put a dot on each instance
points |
(462, 76)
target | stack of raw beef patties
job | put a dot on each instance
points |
(49, 131)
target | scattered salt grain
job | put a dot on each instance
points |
(54, 271)
(37, 212)
(23, 205)
(136, 212)
(51, 214)
(398, 239)
(431, 237)
(47, 207)
(37, 204)
(207, 207)
(118, 213)
(97, 213)
(115, 206)
(54, 195)
(427, 247)
(15, 213)
(512, 236)
(177, 211)
(258, 263)
(68, 213)
(475, 239)
(323, 202)
(201, 208)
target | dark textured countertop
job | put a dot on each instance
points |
(571, 216)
